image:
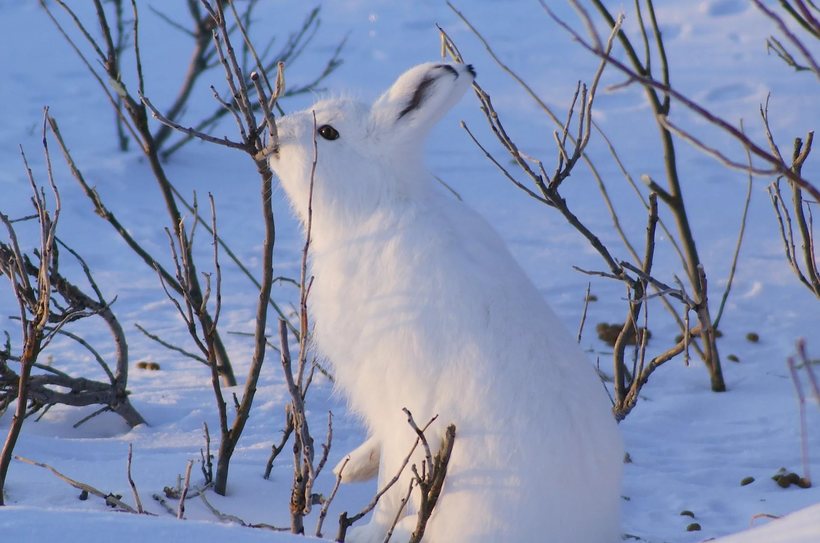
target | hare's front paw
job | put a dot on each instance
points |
(361, 464)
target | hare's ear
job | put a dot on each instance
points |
(419, 98)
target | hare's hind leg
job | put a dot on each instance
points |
(376, 533)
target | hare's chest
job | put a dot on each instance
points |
(369, 305)
(362, 303)
(370, 275)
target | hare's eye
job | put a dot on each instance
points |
(328, 132)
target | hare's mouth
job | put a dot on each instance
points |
(271, 151)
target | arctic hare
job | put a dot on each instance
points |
(419, 304)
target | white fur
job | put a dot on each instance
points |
(419, 304)
(361, 464)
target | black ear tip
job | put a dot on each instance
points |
(471, 70)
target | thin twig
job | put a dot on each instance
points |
(738, 244)
(400, 511)
(809, 365)
(171, 346)
(804, 433)
(224, 517)
(97, 356)
(134, 491)
(191, 131)
(207, 457)
(277, 449)
(420, 433)
(100, 411)
(584, 312)
(327, 501)
(184, 495)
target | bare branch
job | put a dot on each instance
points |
(345, 521)
(110, 499)
(801, 401)
(190, 131)
(432, 484)
(807, 56)
(327, 501)
(648, 81)
(134, 491)
(184, 494)
(738, 244)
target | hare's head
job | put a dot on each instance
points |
(361, 156)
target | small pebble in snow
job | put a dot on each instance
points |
(687, 513)
(733, 358)
(747, 481)
(785, 479)
(752, 337)
(694, 527)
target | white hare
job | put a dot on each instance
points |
(418, 303)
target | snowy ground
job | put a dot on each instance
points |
(690, 448)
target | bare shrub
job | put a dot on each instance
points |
(194, 305)
(47, 303)
(428, 479)
(795, 220)
(250, 99)
(104, 57)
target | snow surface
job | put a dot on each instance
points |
(689, 447)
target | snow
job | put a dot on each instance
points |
(24, 523)
(800, 527)
(689, 447)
